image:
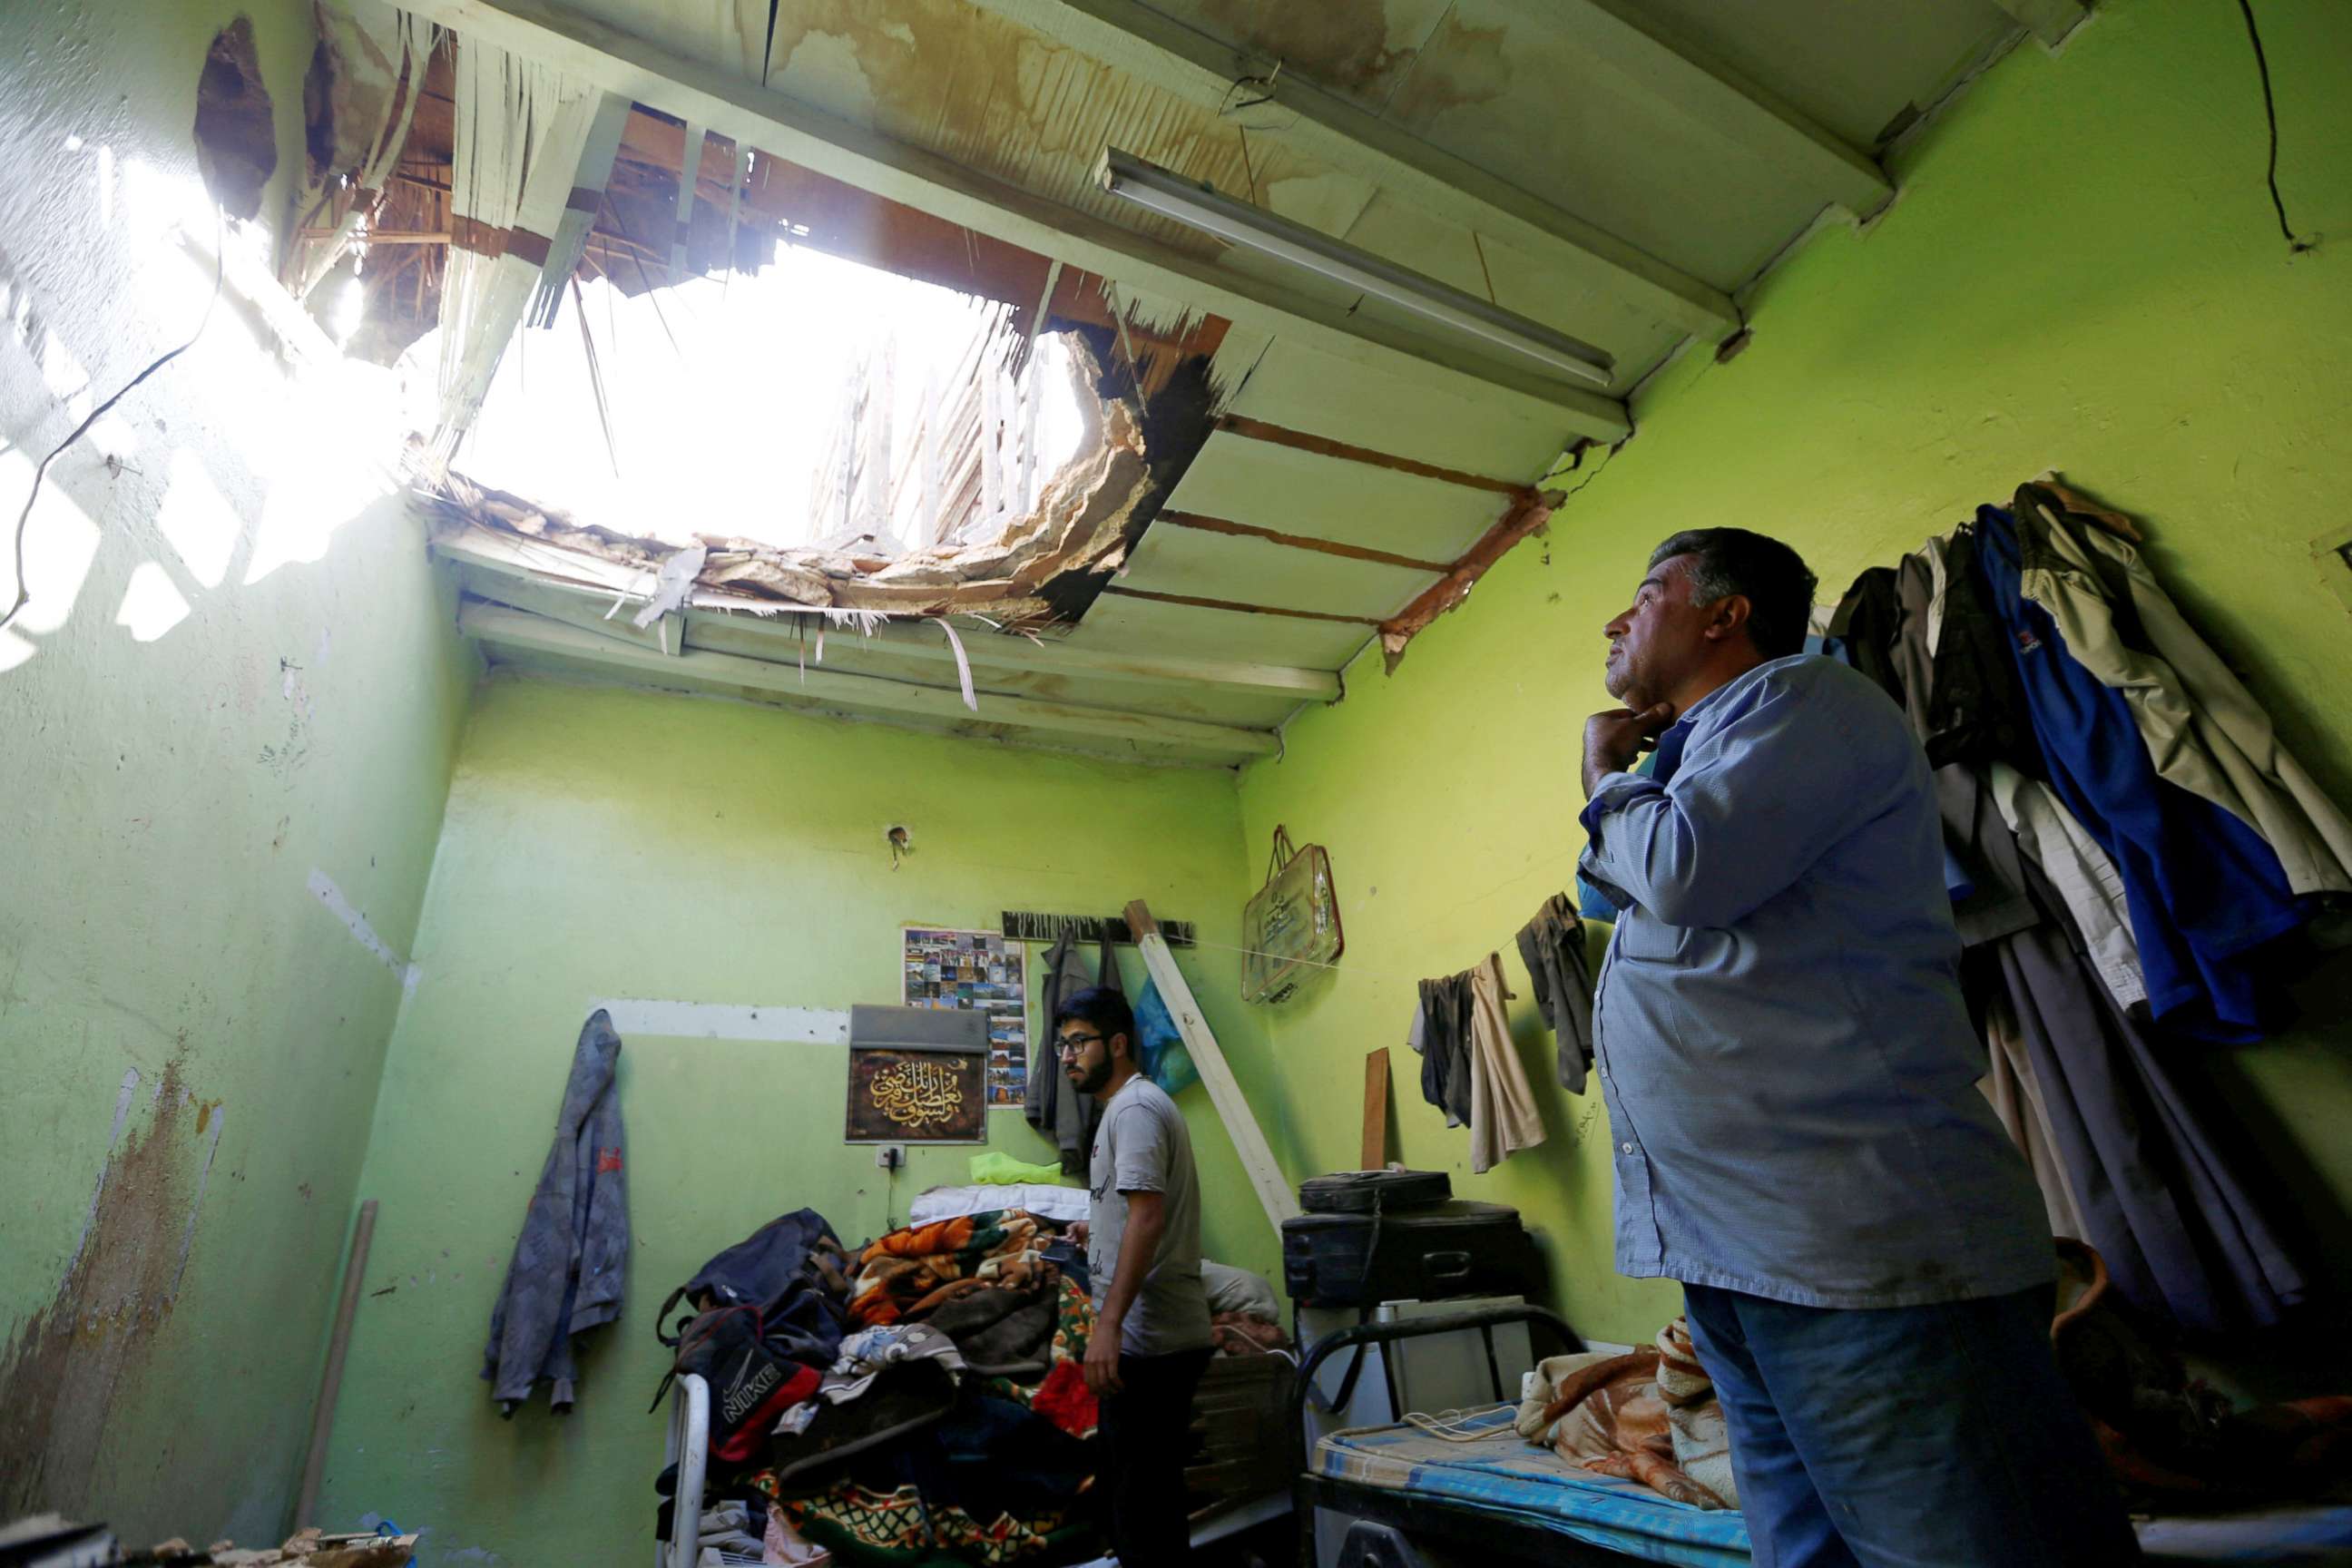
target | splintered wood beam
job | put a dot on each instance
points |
(1274, 1192)
(503, 628)
(1325, 447)
(780, 125)
(522, 572)
(1527, 514)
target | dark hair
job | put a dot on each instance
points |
(1772, 577)
(1104, 1008)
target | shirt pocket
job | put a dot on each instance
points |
(1641, 935)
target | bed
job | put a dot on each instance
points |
(1500, 1500)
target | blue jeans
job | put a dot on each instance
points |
(1939, 1437)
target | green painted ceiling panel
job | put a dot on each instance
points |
(1176, 560)
(1269, 485)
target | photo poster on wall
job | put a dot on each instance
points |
(979, 970)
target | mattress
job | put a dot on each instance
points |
(1062, 1204)
(1500, 1472)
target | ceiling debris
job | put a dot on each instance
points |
(1331, 462)
(1042, 570)
(520, 130)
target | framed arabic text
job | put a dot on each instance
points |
(917, 1097)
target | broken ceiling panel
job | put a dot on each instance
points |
(1045, 568)
(520, 128)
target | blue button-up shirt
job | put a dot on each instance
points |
(1788, 1066)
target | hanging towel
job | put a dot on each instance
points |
(1503, 1119)
(1552, 944)
(569, 1259)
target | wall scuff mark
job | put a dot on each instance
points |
(326, 892)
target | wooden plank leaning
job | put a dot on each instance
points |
(1241, 1123)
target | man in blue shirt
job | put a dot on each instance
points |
(1790, 1072)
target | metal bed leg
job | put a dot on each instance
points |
(688, 1448)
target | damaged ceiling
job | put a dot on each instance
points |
(1615, 171)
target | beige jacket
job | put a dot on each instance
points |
(2204, 730)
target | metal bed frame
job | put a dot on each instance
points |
(1488, 1536)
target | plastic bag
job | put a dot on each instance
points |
(1001, 1169)
(1160, 1050)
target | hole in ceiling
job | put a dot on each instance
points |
(237, 145)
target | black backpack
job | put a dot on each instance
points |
(751, 1385)
(792, 1272)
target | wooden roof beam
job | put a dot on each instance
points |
(503, 628)
(621, 62)
(1155, 48)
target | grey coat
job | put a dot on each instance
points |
(571, 1257)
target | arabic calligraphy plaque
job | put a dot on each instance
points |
(917, 1097)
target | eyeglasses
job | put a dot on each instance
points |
(1072, 1046)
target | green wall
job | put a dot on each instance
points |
(2082, 271)
(237, 675)
(604, 843)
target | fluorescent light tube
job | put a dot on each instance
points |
(1203, 207)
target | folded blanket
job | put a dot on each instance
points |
(1649, 1416)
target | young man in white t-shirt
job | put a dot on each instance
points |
(1151, 1339)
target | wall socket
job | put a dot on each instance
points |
(891, 1156)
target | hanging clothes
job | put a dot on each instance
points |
(2086, 880)
(1975, 836)
(1975, 704)
(2206, 894)
(1503, 1119)
(2203, 728)
(1552, 945)
(2154, 1186)
(1443, 1031)
(572, 1252)
(2016, 1097)
(1053, 1104)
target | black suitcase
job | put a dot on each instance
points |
(1457, 1248)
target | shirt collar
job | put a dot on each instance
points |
(1740, 682)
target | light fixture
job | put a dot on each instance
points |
(1204, 207)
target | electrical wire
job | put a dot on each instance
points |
(24, 518)
(2295, 242)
